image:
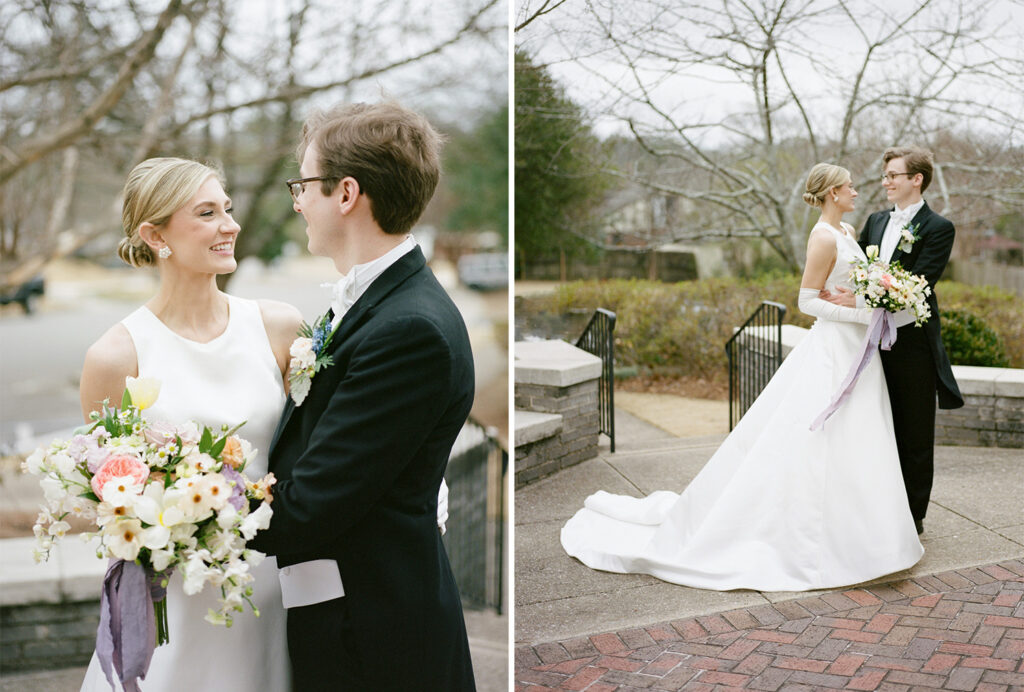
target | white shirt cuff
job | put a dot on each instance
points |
(310, 582)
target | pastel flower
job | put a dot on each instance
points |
(159, 433)
(143, 390)
(302, 353)
(35, 463)
(256, 521)
(119, 466)
(233, 455)
(107, 512)
(189, 433)
(59, 528)
(237, 482)
(162, 558)
(53, 489)
(195, 572)
(217, 489)
(124, 538)
(159, 507)
(122, 491)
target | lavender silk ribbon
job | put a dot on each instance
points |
(881, 333)
(126, 636)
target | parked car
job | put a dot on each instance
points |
(25, 294)
(484, 271)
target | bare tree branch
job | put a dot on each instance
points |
(143, 52)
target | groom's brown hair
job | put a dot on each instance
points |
(393, 152)
(916, 159)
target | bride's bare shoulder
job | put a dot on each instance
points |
(115, 350)
(108, 362)
(282, 322)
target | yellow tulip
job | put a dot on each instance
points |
(144, 390)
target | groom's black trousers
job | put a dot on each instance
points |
(910, 377)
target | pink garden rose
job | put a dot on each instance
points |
(119, 466)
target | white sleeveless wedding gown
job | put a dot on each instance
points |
(778, 507)
(230, 379)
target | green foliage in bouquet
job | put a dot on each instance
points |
(970, 341)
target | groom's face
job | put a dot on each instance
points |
(319, 210)
(900, 187)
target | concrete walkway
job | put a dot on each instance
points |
(976, 518)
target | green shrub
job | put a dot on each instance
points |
(969, 341)
(1003, 312)
(680, 329)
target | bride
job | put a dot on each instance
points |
(220, 359)
(779, 507)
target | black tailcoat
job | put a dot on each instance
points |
(917, 367)
(359, 465)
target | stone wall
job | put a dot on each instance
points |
(558, 382)
(993, 411)
(47, 635)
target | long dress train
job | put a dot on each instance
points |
(231, 379)
(777, 507)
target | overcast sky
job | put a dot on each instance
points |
(564, 40)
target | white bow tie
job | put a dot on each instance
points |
(902, 217)
(342, 293)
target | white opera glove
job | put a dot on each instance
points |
(442, 507)
(811, 304)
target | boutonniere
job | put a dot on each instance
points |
(908, 236)
(309, 355)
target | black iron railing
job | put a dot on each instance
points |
(599, 338)
(755, 353)
(476, 475)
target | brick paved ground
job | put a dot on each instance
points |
(961, 630)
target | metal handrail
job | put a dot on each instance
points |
(753, 358)
(477, 476)
(598, 338)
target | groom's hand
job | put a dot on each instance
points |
(842, 296)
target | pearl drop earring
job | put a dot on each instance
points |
(164, 252)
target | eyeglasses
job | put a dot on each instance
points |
(892, 176)
(297, 186)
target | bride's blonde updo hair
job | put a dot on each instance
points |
(824, 177)
(155, 189)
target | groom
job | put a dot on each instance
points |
(372, 604)
(917, 366)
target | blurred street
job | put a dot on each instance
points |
(42, 353)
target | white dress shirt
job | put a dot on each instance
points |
(350, 287)
(898, 218)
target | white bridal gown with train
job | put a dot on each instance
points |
(231, 379)
(778, 507)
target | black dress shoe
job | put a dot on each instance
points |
(919, 525)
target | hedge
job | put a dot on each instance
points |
(680, 329)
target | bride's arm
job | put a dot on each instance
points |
(821, 257)
(107, 363)
(282, 322)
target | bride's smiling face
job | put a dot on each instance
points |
(202, 234)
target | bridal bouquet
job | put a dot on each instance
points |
(891, 287)
(161, 497)
(898, 298)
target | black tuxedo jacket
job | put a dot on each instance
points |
(359, 465)
(928, 257)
